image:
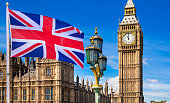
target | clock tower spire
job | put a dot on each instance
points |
(130, 4)
(130, 48)
(130, 14)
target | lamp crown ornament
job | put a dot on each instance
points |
(92, 40)
(96, 30)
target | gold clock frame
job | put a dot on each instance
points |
(133, 43)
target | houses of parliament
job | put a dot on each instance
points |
(49, 81)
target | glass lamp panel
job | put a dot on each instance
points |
(100, 63)
(95, 42)
(101, 44)
(91, 56)
(98, 42)
(96, 55)
(92, 53)
(87, 55)
(104, 64)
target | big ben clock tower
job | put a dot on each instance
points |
(130, 48)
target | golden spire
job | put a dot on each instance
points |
(96, 30)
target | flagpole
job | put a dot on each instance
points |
(7, 54)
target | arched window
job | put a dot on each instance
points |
(16, 94)
(49, 93)
(1, 74)
(24, 94)
(48, 71)
(33, 94)
(2, 93)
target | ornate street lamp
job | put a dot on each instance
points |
(97, 62)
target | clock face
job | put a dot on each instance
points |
(128, 38)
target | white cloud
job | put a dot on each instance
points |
(152, 80)
(155, 45)
(156, 86)
(113, 57)
(112, 62)
(157, 94)
(114, 83)
(145, 61)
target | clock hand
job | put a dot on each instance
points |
(128, 36)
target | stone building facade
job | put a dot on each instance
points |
(46, 81)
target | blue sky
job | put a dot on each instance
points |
(105, 14)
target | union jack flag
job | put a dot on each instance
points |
(35, 35)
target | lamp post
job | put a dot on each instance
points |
(97, 62)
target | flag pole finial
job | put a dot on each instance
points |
(7, 3)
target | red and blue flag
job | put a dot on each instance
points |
(35, 35)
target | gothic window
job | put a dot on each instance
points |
(2, 92)
(24, 94)
(62, 75)
(33, 94)
(1, 74)
(62, 95)
(48, 71)
(16, 94)
(49, 93)
(69, 96)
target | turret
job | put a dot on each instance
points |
(19, 61)
(82, 83)
(77, 81)
(106, 88)
(1, 56)
(32, 64)
(87, 84)
(111, 91)
(27, 61)
(91, 85)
